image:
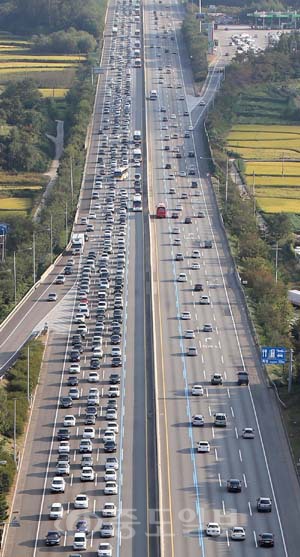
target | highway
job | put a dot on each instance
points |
(30, 523)
(193, 485)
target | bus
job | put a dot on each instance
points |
(121, 173)
(137, 136)
(137, 202)
(161, 211)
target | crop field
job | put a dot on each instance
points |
(15, 204)
(17, 60)
(268, 152)
(58, 93)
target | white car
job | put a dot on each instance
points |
(113, 391)
(197, 390)
(113, 426)
(204, 300)
(88, 433)
(79, 541)
(109, 435)
(238, 533)
(186, 315)
(198, 420)
(69, 420)
(81, 501)
(175, 230)
(93, 377)
(56, 511)
(87, 474)
(116, 351)
(203, 447)
(109, 510)
(182, 277)
(64, 447)
(248, 433)
(213, 529)
(112, 462)
(189, 333)
(177, 242)
(104, 550)
(58, 484)
(110, 475)
(195, 266)
(111, 414)
(111, 488)
(195, 254)
(74, 368)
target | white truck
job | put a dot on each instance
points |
(294, 297)
(77, 243)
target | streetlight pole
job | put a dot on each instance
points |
(72, 182)
(253, 193)
(28, 375)
(15, 431)
(200, 14)
(66, 222)
(15, 278)
(33, 257)
(51, 237)
(226, 182)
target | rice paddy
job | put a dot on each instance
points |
(57, 93)
(15, 204)
(17, 59)
(272, 164)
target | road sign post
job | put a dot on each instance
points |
(275, 355)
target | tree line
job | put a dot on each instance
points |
(196, 44)
(46, 16)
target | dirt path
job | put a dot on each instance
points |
(52, 172)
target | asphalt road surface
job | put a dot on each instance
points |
(193, 485)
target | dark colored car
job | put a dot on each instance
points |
(95, 363)
(66, 402)
(188, 220)
(266, 540)
(234, 486)
(65, 457)
(72, 381)
(115, 339)
(82, 526)
(110, 447)
(90, 419)
(63, 434)
(74, 356)
(114, 378)
(53, 538)
(116, 361)
(91, 410)
(198, 287)
(78, 346)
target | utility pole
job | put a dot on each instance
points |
(66, 222)
(33, 258)
(253, 193)
(200, 14)
(28, 376)
(15, 431)
(226, 183)
(72, 183)
(290, 377)
(276, 248)
(15, 278)
(51, 237)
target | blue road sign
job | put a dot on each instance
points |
(273, 355)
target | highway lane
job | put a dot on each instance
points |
(37, 471)
(191, 481)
